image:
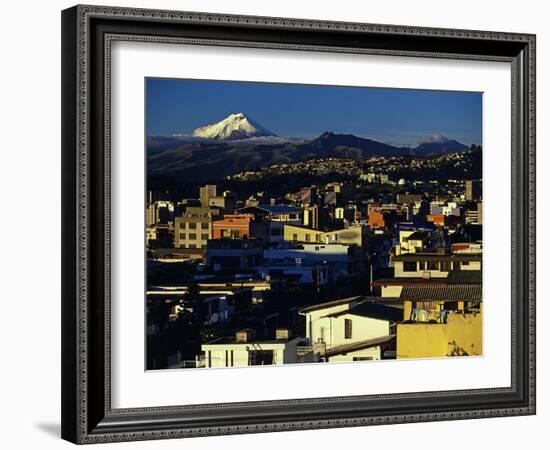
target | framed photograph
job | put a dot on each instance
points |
(281, 224)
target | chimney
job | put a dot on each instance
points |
(282, 334)
(245, 335)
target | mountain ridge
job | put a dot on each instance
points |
(219, 158)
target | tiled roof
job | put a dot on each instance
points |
(451, 292)
(454, 277)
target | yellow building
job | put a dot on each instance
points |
(349, 236)
(440, 321)
(460, 336)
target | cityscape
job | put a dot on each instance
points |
(274, 237)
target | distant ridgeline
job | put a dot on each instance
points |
(238, 143)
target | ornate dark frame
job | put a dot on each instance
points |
(87, 32)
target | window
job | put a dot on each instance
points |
(409, 266)
(295, 237)
(205, 225)
(433, 265)
(192, 246)
(192, 225)
(182, 224)
(204, 236)
(422, 265)
(308, 237)
(193, 236)
(445, 266)
(362, 358)
(182, 235)
(456, 265)
(347, 328)
(465, 263)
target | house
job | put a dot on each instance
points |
(242, 350)
(351, 329)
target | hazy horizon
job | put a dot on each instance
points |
(400, 117)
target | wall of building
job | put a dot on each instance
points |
(331, 330)
(366, 354)
(241, 350)
(461, 334)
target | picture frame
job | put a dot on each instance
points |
(87, 412)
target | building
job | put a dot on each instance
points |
(207, 192)
(275, 216)
(194, 228)
(343, 260)
(406, 199)
(351, 329)
(227, 253)
(242, 350)
(159, 235)
(473, 190)
(160, 211)
(352, 236)
(233, 226)
(385, 216)
(308, 273)
(308, 195)
(419, 241)
(226, 202)
(315, 217)
(440, 321)
(434, 265)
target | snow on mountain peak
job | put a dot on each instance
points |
(234, 126)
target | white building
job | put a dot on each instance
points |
(343, 260)
(243, 351)
(352, 329)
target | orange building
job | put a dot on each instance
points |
(235, 226)
(376, 219)
(437, 219)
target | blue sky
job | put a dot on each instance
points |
(395, 116)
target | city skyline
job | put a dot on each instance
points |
(401, 117)
(264, 250)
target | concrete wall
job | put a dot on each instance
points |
(284, 352)
(373, 353)
(460, 336)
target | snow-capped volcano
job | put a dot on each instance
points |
(234, 126)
